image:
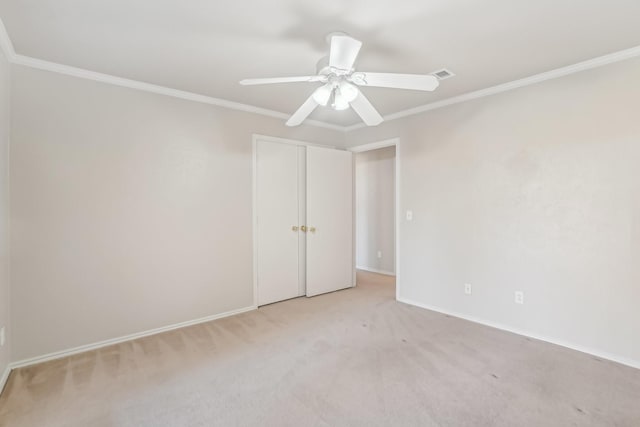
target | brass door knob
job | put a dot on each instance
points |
(303, 228)
(312, 229)
(294, 228)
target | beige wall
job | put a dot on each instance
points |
(375, 209)
(4, 209)
(129, 210)
(536, 189)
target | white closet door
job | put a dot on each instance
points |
(277, 214)
(329, 220)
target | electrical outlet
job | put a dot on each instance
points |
(2, 336)
(409, 215)
(467, 288)
(379, 254)
(519, 297)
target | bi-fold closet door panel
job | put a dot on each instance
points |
(277, 236)
(304, 208)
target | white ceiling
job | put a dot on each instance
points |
(207, 46)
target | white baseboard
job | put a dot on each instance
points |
(375, 270)
(5, 377)
(100, 344)
(601, 354)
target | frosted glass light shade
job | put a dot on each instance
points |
(348, 91)
(322, 94)
(339, 101)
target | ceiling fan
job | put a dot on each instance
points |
(341, 82)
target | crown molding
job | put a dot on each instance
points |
(157, 89)
(7, 47)
(12, 57)
(5, 43)
(537, 78)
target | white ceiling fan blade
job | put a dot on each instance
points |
(281, 80)
(366, 111)
(344, 51)
(303, 112)
(425, 82)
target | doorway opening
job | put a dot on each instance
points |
(375, 172)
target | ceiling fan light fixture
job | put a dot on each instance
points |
(339, 101)
(322, 94)
(348, 91)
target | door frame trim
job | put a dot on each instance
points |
(254, 202)
(392, 142)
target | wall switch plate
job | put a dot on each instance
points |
(519, 297)
(409, 215)
(467, 288)
(2, 336)
(379, 254)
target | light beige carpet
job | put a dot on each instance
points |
(351, 358)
